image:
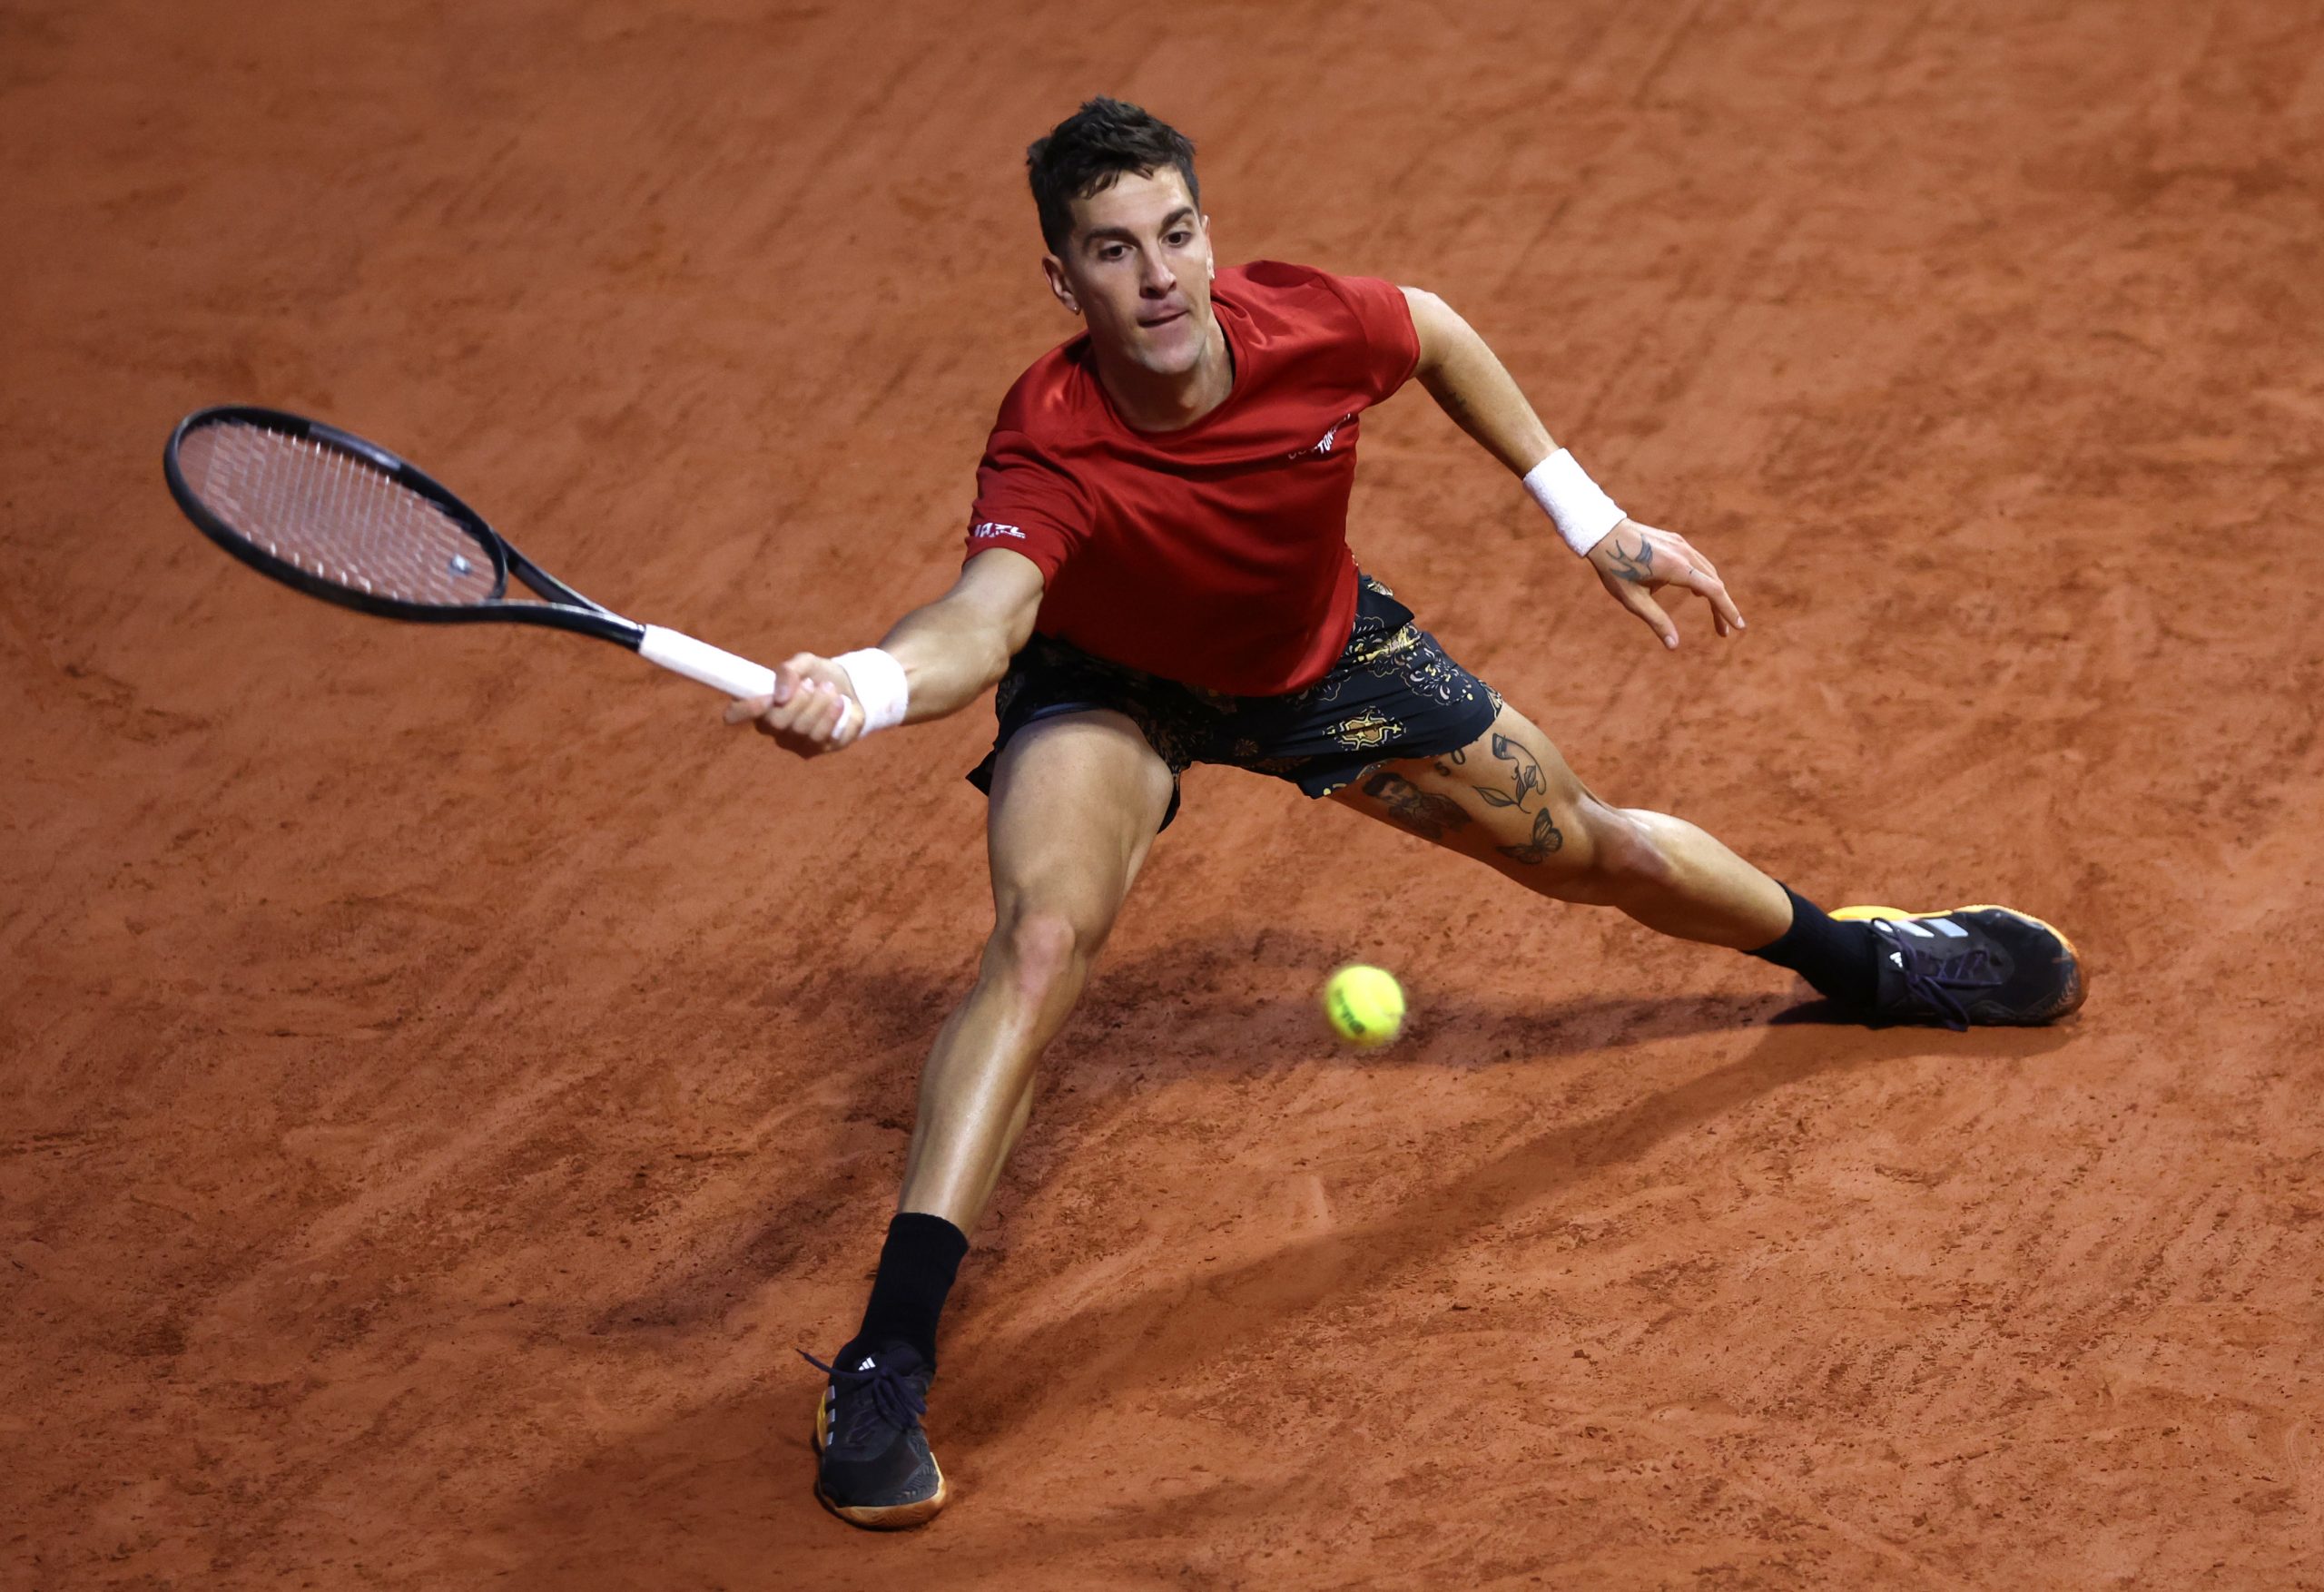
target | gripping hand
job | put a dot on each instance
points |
(813, 711)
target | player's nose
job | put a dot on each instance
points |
(1158, 277)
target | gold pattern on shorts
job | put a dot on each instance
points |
(1347, 716)
(1365, 730)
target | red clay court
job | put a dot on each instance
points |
(448, 1072)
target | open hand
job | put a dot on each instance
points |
(1635, 560)
(813, 711)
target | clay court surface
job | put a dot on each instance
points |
(447, 1073)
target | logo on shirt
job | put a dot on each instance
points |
(1322, 447)
(984, 528)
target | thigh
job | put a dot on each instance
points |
(1507, 799)
(1077, 800)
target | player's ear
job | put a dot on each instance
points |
(1054, 269)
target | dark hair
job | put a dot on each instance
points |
(1089, 152)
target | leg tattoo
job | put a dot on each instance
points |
(1546, 840)
(1530, 781)
(1430, 816)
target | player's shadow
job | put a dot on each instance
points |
(1257, 1017)
(731, 1473)
(1259, 1011)
(1157, 1334)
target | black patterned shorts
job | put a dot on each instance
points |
(1393, 695)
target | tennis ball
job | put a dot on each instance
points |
(1364, 1006)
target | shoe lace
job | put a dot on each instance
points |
(893, 1399)
(1934, 980)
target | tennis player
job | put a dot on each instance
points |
(1157, 575)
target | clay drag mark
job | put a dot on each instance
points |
(446, 1074)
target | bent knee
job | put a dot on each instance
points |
(1040, 951)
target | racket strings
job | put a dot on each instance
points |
(336, 518)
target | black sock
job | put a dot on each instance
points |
(1842, 960)
(917, 1265)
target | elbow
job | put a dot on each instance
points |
(997, 656)
(1013, 636)
(1000, 645)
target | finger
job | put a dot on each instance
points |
(849, 728)
(808, 708)
(1650, 611)
(749, 707)
(1676, 553)
(831, 707)
(791, 673)
(779, 713)
(1722, 605)
(788, 718)
(1714, 591)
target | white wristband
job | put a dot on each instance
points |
(879, 682)
(1567, 496)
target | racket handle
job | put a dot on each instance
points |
(698, 659)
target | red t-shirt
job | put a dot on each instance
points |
(1216, 555)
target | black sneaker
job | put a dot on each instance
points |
(875, 1467)
(1980, 965)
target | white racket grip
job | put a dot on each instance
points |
(698, 659)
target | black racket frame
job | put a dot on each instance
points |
(561, 608)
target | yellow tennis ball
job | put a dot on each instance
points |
(1364, 1006)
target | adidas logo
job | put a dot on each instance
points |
(1928, 928)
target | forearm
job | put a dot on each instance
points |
(1470, 383)
(934, 661)
(952, 649)
(950, 658)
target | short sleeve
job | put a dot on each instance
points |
(1026, 503)
(1392, 344)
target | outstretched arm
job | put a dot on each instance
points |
(1471, 386)
(950, 651)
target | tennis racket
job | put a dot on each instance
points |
(340, 518)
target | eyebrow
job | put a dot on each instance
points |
(1184, 212)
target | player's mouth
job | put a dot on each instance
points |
(1150, 322)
